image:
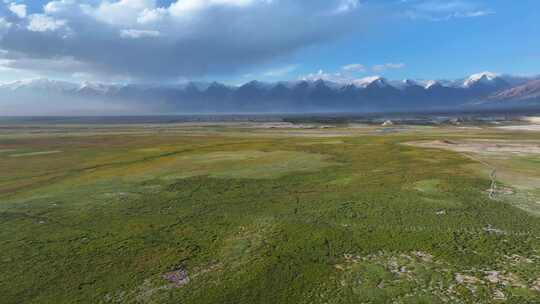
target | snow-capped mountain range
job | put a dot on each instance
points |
(360, 95)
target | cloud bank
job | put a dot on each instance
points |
(141, 40)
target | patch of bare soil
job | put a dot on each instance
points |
(180, 275)
(177, 278)
(501, 190)
(481, 147)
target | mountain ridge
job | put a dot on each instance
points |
(374, 93)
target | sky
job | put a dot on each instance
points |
(235, 41)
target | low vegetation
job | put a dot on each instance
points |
(222, 215)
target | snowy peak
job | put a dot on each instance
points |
(431, 84)
(93, 87)
(485, 78)
(336, 94)
(373, 81)
(38, 84)
(414, 84)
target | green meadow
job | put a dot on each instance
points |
(230, 214)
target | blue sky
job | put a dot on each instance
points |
(235, 41)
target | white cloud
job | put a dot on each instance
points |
(134, 34)
(58, 6)
(346, 6)
(128, 12)
(280, 72)
(347, 73)
(387, 66)
(123, 12)
(182, 7)
(472, 14)
(315, 76)
(18, 9)
(354, 68)
(44, 23)
(322, 75)
(441, 10)
(151, 15)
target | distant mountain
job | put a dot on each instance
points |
(484, 79)
(369, 94)
(517, 80)
(483, 84)
(39, 84)
(530, 91)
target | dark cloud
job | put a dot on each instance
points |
(137, 39)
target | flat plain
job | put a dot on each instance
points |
(269, 213)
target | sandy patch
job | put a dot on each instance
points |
(482, 147)
(279, 125)
(35, 153)
(535, 128)
(149, 150)
(330, 142)
(532, 119)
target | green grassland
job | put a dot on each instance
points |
(260, 216)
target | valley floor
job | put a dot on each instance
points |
(269, 213)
